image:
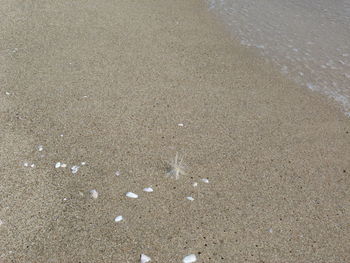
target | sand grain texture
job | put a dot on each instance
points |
(116, 78)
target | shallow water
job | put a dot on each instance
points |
(308, 39)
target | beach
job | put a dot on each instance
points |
(114, 90)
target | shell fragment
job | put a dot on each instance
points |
(190, 198)
(144, 258)
(148, 189)
(74, 169)
(189, 259)
(94, 193)
(118, 218)
(131, 195)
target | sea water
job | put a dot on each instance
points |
(309, 40)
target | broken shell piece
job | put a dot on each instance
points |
(189, 259)
(148, 189)
(26, 164)
(94, 193)
(195, 184)
(1, 222)
(7, 93)
(63, 165)
(144, 258)
(180, 125)
(118, 218)
(74, 169)
(205, 180)
(58, 165)
(131, 195)
(117, 173)
(40, 148)
(32, 165)
(190, 198)
(83, 163)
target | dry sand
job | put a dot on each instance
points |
(116, 78)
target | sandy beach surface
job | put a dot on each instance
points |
(122, 86)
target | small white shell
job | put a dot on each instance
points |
(148, 189)
(58, 165)
(63, 165)
(144, 258)
(117, 173)
(40, 148)
(189, 259)
(26, 164)
(131, 195)
(1, 222)
(118, 218)
(94, 193)
(205, 180)
(190, 198)
(32, 165)
(195, 184)
(180, 125)
(7, 93)
(83, 163)
(74, 169)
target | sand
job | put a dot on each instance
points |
(108, 83)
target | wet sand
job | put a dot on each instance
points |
(108, 83)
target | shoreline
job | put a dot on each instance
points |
(274, 31)
(108, 83)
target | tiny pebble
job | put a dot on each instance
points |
(189, 259)
(131, 195)
(148, 189)
(58, 165)
(75, 169)
(118, 218)
(144, 258)
(205, 180)
(94, 193)
(190, 198)
(195, 184)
